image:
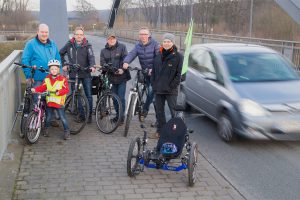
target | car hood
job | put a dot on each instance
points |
(269, 92)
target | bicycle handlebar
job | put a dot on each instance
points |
(41, 69)
(77, 67)
(144, 71)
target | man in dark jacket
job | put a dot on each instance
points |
(146, 49)
(166, 75)
(114, 53)
(79, 51)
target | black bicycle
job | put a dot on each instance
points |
(27, 104)
(108, 105)
(76, 106)
(137, 97)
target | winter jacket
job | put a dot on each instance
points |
(166, 73)
(38, 54)
(63, 91)
(115, 55)
(82, 55)
(145, 53)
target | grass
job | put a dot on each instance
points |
(7, 47)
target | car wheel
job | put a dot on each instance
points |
(225, 128)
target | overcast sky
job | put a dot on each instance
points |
(98, 4)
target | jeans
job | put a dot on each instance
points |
(150, 95)
(61, 113)
(87, 87)
(119, 89)
(160, 100)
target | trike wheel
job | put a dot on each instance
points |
(134, 157)
(192, 164)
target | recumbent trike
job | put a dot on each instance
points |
(173, 141)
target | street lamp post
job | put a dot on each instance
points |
(251, 19)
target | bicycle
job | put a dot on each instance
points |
(76, 106)
(27, 104)
(108, 105)
(36, 120)
(137, 98)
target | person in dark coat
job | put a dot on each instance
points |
(166, 76)
(79, 51)
(114, 54)
(145, 49)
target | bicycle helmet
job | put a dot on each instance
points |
(53, 63)
(168, 148)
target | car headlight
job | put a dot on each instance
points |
(251, 108)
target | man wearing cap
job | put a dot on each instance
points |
(145, 49)
(114, 54)
(166, 75)
(79, 51)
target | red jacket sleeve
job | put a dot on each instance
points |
(65, 88)
(41, 88)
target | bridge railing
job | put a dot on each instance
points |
(10, 96)
(290, 49)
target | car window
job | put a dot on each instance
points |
(258, 67)
(201, 60)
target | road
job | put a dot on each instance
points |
(257, 169)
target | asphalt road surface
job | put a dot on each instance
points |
(257, 169)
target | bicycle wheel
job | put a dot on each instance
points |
(144, 95)
(129, 115)
(33, 128)
(134, 156)
(192, 164)
(26, 110)
(108, 113)
(76, 111)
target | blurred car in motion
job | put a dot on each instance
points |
(249, 90)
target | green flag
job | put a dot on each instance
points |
(187, 42)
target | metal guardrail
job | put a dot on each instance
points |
(17, 32)
(290, 49)
(10, 96)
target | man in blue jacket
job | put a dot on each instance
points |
(145, 49)
(37, 52)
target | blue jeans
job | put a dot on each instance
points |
(87, 87)
(119, 89)
(150, 95)
(61, 113)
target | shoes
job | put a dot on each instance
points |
(154, 136)
(143, 115)
(46, 133)
(154, 125)
(67, 135)
(79, 119)
(54, 123)
(89, 119)
(122, 120)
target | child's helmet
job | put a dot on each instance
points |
(53, 63)
(168, 148)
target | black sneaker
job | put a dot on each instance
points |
(89, 119)
(79, 119)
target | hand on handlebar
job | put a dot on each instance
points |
(32, 90)
(65, 68)
(120, 71)
(125, 65)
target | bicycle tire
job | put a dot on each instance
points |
(129, 114)
(106, 114)
(133, 157)
(26, 110)
(76, 122)
(33, 130)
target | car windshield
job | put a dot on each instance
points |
(258, 67)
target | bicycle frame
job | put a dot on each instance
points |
(40, 109)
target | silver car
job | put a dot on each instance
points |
(249, 90)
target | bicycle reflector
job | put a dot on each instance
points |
(168, 148)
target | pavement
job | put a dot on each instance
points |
(92, 165)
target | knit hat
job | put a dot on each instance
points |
(169, 36)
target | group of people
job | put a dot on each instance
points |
(164, 64)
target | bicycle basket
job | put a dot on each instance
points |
(140, 77)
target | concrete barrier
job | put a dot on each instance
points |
(10, 96)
